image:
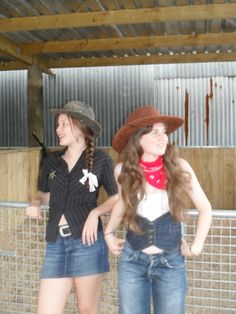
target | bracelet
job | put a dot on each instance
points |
(111, 232)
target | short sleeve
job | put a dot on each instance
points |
(108, 179)
(43, 176)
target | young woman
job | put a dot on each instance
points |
(154, 189)
(70, 180)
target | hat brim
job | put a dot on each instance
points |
(92, 124)
(123, 135)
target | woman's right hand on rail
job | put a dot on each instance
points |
(33, 211)
(115, 245)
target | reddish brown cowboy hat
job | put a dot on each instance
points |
(143, 117)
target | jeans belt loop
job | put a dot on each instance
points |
(64, 231)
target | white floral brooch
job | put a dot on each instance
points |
(93, 181)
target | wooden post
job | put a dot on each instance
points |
(35, 105)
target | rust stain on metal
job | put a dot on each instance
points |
(211, 88)
(186, 105)
(207, 117)
(208, 97)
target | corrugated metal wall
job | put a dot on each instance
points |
(111, 91)
(13, 108)
(210, 105)
(207, 90)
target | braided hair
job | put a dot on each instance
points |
(89, 141)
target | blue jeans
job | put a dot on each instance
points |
(159, 278)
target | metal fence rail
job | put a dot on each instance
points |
(211, 277)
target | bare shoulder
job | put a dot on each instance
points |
(185, 165)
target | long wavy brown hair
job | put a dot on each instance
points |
(132, 181)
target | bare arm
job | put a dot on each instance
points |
(89, 234)
(106, 206)
(203, 207)
(115, 218)
(115, 244)
(33, 210)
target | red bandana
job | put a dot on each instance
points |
(155, 173)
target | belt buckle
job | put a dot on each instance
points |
(64, 231)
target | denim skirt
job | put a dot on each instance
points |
(69, 257)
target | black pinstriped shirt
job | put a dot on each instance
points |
(70, 197)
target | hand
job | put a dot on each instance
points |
(115, 245)
(185, 249)
(33, 211)
(89, 234)
(189, 251)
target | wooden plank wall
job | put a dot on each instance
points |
(18, 174)
(215, 168)
(216, 172)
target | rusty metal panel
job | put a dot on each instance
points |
(210, 106)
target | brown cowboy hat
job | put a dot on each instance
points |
(143, 117)
(83, 112)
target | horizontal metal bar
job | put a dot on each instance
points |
(7, 253)
(228, 213)
(18, 205)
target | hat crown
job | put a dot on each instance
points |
(81, 108)
(83, 112)
(143, 113)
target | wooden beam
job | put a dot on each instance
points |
(120, 17)
(11, 49)
(130, 43)
(35, 104)
(12, 66)
(134, 60)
